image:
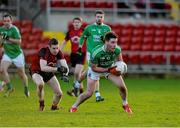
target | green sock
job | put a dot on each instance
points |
(9, 86)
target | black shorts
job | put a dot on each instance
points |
(77, 59)
(45, 75)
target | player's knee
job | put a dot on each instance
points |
(59, 94)
(40, 86)
(23, 76)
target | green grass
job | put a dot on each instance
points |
(155, 102)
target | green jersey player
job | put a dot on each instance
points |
(93, 35)
(11, 39)
(102, 59)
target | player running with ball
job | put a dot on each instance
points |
(102, 59)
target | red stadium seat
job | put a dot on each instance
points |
(175, 59)
(90, 4)
(177, 47)
(178, 40)
(1, 23)
(160, 30)
(146, 59)
(146, 47)
(55, 3)
(169, 47)
(17, 23)
(158, 47)
(135, 47)
(136, 40)
(125, 46)
(27, 24)
(159, 40)
(125, 58)
(37, 32)
(127, 30)
(170, 40)
(149, 30)
(124, 40)
(158, 59)
(171, 31)
(44, 40)
(134, 58)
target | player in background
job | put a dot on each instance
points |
(77, 60)
(102, 59)
(48, 61)
(13, 54)
(93, 34)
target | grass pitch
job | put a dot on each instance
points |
(155, 102)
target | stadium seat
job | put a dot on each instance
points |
(125, 46)
(170, 40)
(146, 47)
(134, 59)
(138, 30)
(178, 40)
(37, 32)
(136, 40)
(158, 47)
(127, 30)
(125, 58)
(177, 47)
(145, 59)
(148, 40)
(90, 4)
(175, 59)
(27, 24)
(135, 47)
(124, 40)
(169, 47)
(171, 31)
(56, 3)
(44, 40)
(149, 30)
(159, 40)
(158, 59)
(17, 23)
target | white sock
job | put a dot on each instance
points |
(77, 84)
(97, 93)
(125, 102)
(74, 106)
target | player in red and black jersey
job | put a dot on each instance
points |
(77, 60)
(48, 61)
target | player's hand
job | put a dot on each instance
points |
(62, 69)
(79, 52)
(5, 36)
(113, 71)
(65, 78)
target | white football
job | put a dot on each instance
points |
(121, 66)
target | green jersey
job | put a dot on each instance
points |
(11, 49)
(103, 58)
(93, 34)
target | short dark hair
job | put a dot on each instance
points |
(99, 12)
(110, 35)
(53, 41)
(7, 15)
(77, 18)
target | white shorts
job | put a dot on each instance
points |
(95, 75)
(18, 61)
